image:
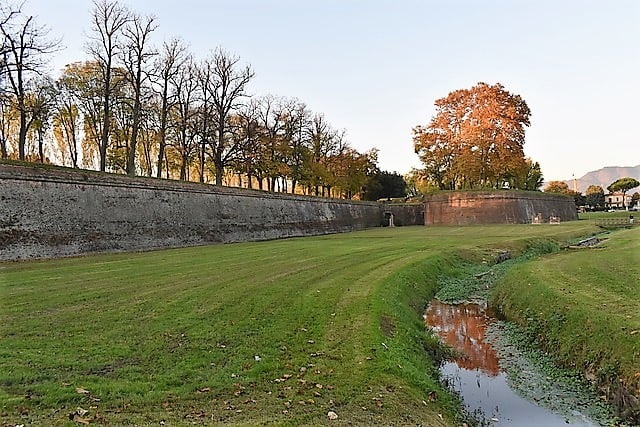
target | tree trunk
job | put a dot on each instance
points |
(104, 140)
(22, 134)
(183, 169)
(41, 145)
(3, 146)
(163, 129)
(218, 163)
(203, 148)
(74, 148)
(131, 161)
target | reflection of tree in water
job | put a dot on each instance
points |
(463, 327)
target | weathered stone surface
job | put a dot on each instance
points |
(61, 212)
(496, 207)
(404, 214)
(52, 212)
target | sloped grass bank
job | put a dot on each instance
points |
(583, 307)
(247, 334)
(265, 332)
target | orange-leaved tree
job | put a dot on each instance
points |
(560, 187)
(475, 139)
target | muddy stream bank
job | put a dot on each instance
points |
(503, 385)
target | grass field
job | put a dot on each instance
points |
(583, 306)
(282, 331)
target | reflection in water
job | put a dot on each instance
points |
(462, 327)
(477, 376)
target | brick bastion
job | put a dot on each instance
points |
(53, 212)
(497, 207)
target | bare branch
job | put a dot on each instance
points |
(24, 49)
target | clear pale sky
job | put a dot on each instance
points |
(375, 67)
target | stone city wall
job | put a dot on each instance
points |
(403, 213)
(497, 207)
(52, 212)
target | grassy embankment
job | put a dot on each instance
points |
(583, 307)
(280, 331)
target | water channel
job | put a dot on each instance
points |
(479, 378)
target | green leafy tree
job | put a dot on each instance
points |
(578, 198)
(594, 196)
(623, 185)
(419, 183)
(351, 171)
(385, 185)
(527, 177)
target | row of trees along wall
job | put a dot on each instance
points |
(141, 109)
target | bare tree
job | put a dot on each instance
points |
(4, 125)
(80, 84)
(7, 13)
(108, 21)
(297, 118)
(136, 54)
(171, 60)
(323, 140)
(272, 122)
(250, 159)
(185, 86)
(148, 139)
(206, 114)
(67, 121)
(228, 87)
(24, 49)
(41, 103)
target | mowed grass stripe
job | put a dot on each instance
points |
(145, 332)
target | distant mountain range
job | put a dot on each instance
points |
(605, 176)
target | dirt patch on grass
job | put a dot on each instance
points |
(388, 326)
